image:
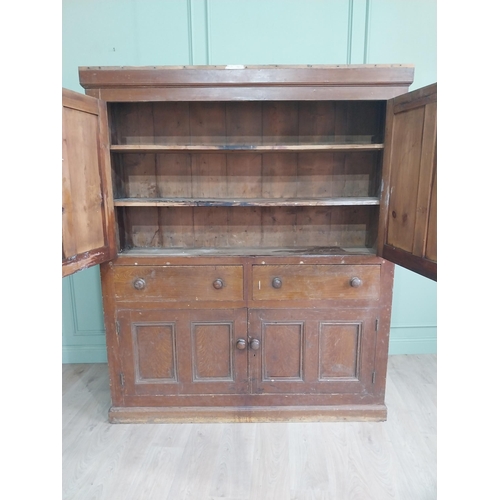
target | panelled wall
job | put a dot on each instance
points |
(182, 32)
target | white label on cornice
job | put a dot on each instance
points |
(235, 66)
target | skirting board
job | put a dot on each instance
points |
(84, 354)
(344, 413)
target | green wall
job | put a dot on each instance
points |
(161, 32)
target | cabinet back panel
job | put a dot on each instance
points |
(250, 123)
(247, 175)
(244, 227)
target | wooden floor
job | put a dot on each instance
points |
(279, 461)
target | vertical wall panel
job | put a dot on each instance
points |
(83, 321)
(278, 31)
(198, 31)
(122, 33)
(414, 314)
(358, 12)
(404, 31)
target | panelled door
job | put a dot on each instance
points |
(181, 352)
(88, 236)
(408, 222)
(299, 351)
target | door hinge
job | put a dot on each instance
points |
(117, 325)
(122, 380)
(376, 325)
(373, 377)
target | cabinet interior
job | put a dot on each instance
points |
(249, 177)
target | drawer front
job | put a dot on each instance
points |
(315, 282)
(178, 283)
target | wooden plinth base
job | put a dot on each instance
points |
(353, 413)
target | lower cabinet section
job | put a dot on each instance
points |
(249, 365)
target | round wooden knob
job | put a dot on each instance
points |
(218, 284)
(356, 282)
(277, 283)
(254, 344)
(241, 344)
(139, 284)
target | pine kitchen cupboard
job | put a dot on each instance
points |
(247, 221)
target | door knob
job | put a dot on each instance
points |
(139, 284)
(254, 344)
(277, 283)
(241, 344)
(356, 282)
(218, 284)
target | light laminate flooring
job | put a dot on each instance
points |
(395, 459)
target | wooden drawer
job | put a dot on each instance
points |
(178, 283)
(315, 282)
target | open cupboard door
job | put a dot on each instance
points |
(88, 236)
(408, 218)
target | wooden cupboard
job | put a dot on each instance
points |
(246, 221)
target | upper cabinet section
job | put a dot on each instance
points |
(246, 83)
(247, 160)
(408, 222)
(313, 159)
(87, 201)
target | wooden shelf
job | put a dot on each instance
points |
(235, 148)
(245, 251)
(246, 202)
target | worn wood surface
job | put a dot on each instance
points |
(408, 223)
(315, 352)
(245, 202)
(217, 83)
(274, 176)
(247, 126)
(180, 352)
(309, 282)
(236, 148)
(158, 255)
(174, 341)
(282, 162)
(180, 365)
(279, 227)
(390, 460)
(87, 200)
(179, 283)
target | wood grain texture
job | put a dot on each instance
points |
(154, 350)
(431, 243)
(87, 210)
(202, 229)
(179, 283)
(339, 345)
(315, 282)
(392, 460)
(246, 202)
(214, 156)
(286, 146)
(193, 353)
(212, 350)
(408, 222)
(215, 83)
